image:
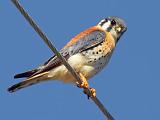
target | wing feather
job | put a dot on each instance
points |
(83, 41)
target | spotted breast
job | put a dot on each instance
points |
(99, 56)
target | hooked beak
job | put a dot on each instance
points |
(124, 29)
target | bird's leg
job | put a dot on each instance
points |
(84, 83)
(85, 86)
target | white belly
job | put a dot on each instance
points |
(81, 64)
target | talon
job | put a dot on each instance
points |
(93, 92)
(83, 85)
(84, 91)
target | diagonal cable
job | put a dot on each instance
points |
(50, 45)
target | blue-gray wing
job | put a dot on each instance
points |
(86, 42)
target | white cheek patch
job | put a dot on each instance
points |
(118, 29)
(106, 25)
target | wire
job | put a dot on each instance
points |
(66, 64)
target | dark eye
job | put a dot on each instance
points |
(106, 20)
(113, 22)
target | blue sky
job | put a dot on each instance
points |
(128, 87)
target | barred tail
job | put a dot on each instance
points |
(28, 82)
(26, 74)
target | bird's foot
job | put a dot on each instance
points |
(91, 94)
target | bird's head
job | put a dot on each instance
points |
(116, 26)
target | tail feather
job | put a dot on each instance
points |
(26, 74)
(28, 82)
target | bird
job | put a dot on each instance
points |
(88, 53)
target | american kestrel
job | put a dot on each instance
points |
(87, 53)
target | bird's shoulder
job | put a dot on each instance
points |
(82, 34)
